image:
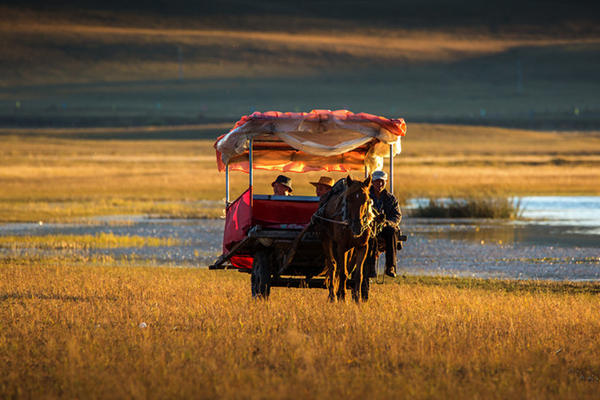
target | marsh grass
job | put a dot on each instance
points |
(80, 210)
(73, 242)
(76, 332)
(56, 175)
(475, 207)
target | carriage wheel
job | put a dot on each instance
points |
(260, 279)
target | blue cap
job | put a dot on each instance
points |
(379, 175)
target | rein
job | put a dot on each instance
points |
(365, 220)
(332, 220)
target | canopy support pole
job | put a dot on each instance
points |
(251, 170)
(227, 186)
(391, 168)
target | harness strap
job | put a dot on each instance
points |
(331, 220)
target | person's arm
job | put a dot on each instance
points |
(393, 213)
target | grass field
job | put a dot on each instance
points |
(72, 331)
(64, 174)
(63, 242)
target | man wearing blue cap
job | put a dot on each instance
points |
(385, 203)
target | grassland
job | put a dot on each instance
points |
(78, 332)
(66, 174)
(101, 240)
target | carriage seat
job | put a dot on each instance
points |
(283, 212)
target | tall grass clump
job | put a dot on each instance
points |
(472, 207)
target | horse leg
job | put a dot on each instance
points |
(342, 272)
(352, 273)
(358, 276)
(330, 263)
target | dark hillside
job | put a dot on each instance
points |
(89, 63)
(574, 17)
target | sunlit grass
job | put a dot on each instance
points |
(46, 175)
(76, 210)
(74, 332)
(101, 240)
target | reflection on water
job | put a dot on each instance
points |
(506, 232)
(457, 229)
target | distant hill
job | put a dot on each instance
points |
(580, 17)
(89, 63)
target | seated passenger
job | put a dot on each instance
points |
(323, 186)
(282, 186)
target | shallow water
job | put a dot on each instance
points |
(558, 241)
(581, 213)
(201, 239)
(558, 238)
(490, 249)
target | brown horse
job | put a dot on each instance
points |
(344, 221)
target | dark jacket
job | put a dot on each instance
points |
(387, 204)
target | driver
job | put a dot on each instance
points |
(386, 204)
(282, 186)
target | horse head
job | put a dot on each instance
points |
(358, 213)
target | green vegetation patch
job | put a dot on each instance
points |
(75, 242)
(484, 207)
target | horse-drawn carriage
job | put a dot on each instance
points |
(261, 230)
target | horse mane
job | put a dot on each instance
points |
(334, 204)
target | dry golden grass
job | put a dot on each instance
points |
(74, 332)
(52, 175)
(101, 240)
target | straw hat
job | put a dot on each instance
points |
(324, 180)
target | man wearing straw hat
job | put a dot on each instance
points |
(323, 185)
